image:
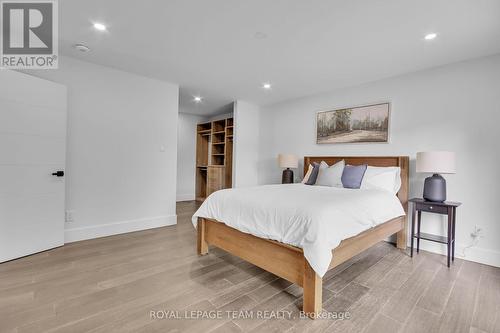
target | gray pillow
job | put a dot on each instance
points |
(353, 175)
(314, 174)
(330, 175)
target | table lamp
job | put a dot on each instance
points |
(287, 161)
(435, 162)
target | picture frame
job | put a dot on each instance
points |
(360, 124)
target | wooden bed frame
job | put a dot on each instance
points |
(287, 261)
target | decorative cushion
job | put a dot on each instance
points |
(353, 175)
(386, 178)
(331, 176)
(314, 174)
(308, 174)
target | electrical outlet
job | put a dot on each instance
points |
(68, 217)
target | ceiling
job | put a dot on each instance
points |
(224, 50)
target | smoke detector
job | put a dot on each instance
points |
(82, 48)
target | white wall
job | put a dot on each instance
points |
(121, 149)
(186, 155)
(456, 108)
(246, 144)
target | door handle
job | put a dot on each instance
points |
(59, 173)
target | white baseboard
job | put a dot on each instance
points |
(103, 230)
(185, 197)
(476, 254)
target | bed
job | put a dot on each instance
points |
(287, 258)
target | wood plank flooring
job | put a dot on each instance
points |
(112, 284)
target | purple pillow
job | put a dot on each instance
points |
(314, 174)
(353, 175)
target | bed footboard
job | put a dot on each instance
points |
(288, 262)
(285, 261)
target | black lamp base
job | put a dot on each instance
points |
(435, 188)
(287, 177)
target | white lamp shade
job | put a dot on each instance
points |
(288, 161)
(436, 162)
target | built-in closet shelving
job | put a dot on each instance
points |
(214, 157)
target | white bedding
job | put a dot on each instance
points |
(314, 218)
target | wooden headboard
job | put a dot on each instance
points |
(380, 161)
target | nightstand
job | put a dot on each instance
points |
(448, 208)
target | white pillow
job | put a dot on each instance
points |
(386, 178)
(308, 174)
(330, 176)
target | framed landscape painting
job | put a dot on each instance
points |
(354, 125)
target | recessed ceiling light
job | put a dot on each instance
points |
(266, 86)
(430, 36)
(100, 26)
(81, 47)
(197, 99)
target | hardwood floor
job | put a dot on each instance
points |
(112, 284)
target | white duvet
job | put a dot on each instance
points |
(314, 218)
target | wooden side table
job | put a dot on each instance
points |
(446, 208)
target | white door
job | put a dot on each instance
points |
(32, 147)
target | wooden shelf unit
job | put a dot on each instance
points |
(202, 143)
(214, 157)
(229, 152)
